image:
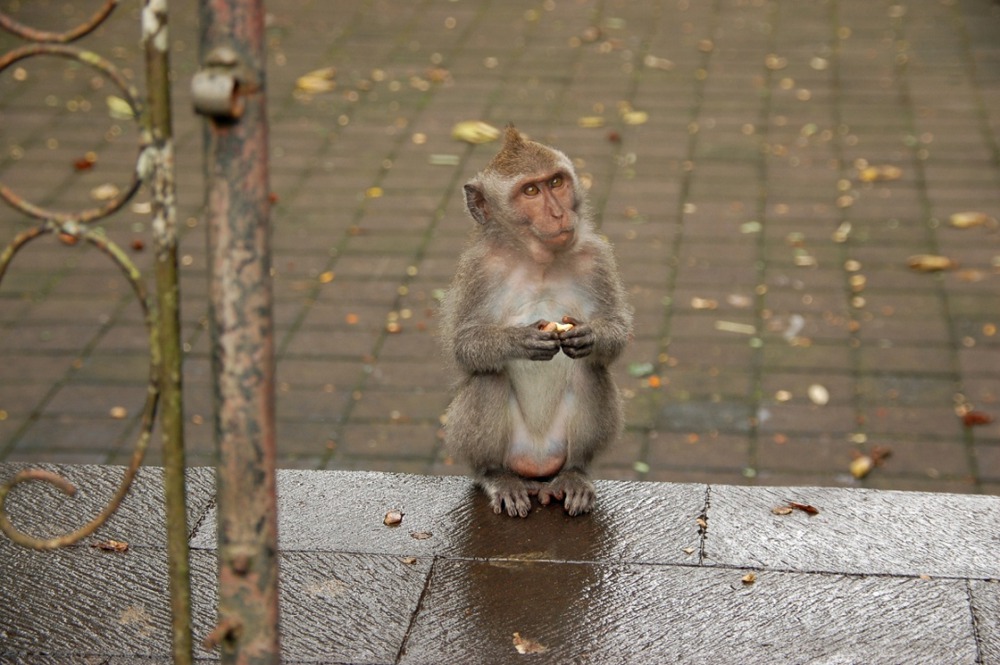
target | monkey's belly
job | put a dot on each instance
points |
(541, 406)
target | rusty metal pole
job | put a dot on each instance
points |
(229, 89)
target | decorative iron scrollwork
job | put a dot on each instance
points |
(78, 227)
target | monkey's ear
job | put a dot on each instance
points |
(476, 203)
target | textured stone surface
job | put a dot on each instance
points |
(627, 584)
(43, 511)
(652, 614)
(344, 511)
(860, 531)
(986, 610)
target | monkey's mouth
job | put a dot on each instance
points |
(559, 238)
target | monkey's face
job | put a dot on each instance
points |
(546, 204)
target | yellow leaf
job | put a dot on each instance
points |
(317, 81)
(119, 109)
(590, 121)
(474, 131)
(930, 262)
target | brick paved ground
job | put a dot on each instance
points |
(759, 261)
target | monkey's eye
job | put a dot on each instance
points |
(557, 181)
(531, 190)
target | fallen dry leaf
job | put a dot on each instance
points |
(804, 507)
(86, 162)
(104, 192)
(880, 173)
(970, 219)
(317, 81)
(524, 645)
(749, 579)
(974, 418)
(118, 413)
(590, 121)
(111, 546)
(421, 535)
(474, 131)
(782, 510)
(819, 395)
(861, 466)
(635, 117)
(930, 262)
(119, 109)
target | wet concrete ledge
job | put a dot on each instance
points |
(874, 577)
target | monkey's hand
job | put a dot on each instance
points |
(538, 344)
(573, 488)
(578, 341)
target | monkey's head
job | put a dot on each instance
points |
(529, 190)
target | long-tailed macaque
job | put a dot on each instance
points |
(535, 280)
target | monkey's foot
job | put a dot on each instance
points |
(508, 492)
(571, 487)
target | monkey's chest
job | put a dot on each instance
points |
(526, 299)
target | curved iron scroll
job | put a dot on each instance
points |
(71, 228)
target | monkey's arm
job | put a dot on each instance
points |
(603, 338)
(474, 336)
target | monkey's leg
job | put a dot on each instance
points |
(508, 491)
(573, 487)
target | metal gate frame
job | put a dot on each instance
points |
(230, 92)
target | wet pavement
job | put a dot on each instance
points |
(765, 170)
(661, 572)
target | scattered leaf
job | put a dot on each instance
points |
(374, 193)
(880, 454)
(68, 239)
(111, 546)
(702, 523)
(861, 466)
(749, 579)
(317, 81)
(118, 413)
(974, 418)
(524, 645)
(421, 535)
(393, 327)
(393, 518)
(804, 507)
(409, 560)
(474, 131)
(782, 510)
(86, 162)
(880, 173)
(654, 62)
(590, 121)
(930, 262)
(970, 219)
(640, 370)
(137, 245)
(104, 192)
(119, 109)
(704, 303)
(733, 327)
(635, 117)
(688, 550)
(819, 395)
(326, 277)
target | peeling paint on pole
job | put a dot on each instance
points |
(237, 210)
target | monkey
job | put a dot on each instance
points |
(534, 317)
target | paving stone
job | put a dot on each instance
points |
(41, 510)
(862, 532)
(627, 614)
